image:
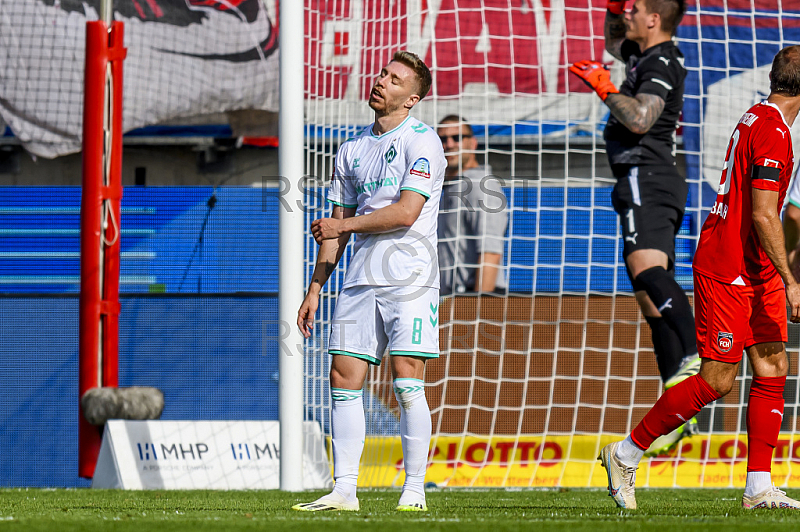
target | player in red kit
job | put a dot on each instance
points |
(742, 284)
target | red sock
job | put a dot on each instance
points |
(764, 417)
(678, 405)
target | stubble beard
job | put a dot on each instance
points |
(386, 109)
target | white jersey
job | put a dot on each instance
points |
(370, 173)
(793, 196)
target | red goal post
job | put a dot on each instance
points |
(100, 223)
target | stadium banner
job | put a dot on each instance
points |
(500, 64)
(185, 58)
(504, 64)
(225, 455)
(710, 461)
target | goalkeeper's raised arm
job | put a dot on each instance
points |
(632, 37)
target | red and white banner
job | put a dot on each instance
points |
(495, 61)
(518, 46)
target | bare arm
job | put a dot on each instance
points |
(331, 250)
(637, 114)
(398, 215)
(770, 232)
(329, 254)
(614, 30)
(486, 273)
(767, 223)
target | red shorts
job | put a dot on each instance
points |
(729, 318)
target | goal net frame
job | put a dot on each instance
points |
(530, 386)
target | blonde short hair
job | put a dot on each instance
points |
(412, 61)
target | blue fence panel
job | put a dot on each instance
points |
(200, 240)
(174, 240)
(214, 357)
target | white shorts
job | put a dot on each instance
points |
(367, 319)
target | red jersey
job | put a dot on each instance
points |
(729, 249)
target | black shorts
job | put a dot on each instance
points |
(650, 202)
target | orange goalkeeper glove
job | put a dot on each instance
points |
(596, 76)
(616, 7)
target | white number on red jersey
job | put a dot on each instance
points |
(727, 170)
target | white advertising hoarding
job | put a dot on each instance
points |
(224, 455)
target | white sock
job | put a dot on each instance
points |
(629, 453)
(348, 429)
(757, 482)
(415, 432)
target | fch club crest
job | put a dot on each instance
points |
(724, 341)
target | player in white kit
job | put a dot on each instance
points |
(791, 226)
(385, 188)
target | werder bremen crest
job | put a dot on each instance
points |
(390, 155)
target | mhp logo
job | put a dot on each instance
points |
(252, 451)
(148, 451)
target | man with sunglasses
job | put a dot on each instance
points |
(472, 217)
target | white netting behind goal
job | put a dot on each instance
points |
(529, 386)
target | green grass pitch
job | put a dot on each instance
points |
(457, 510)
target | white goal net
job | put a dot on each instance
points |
(530, 385)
